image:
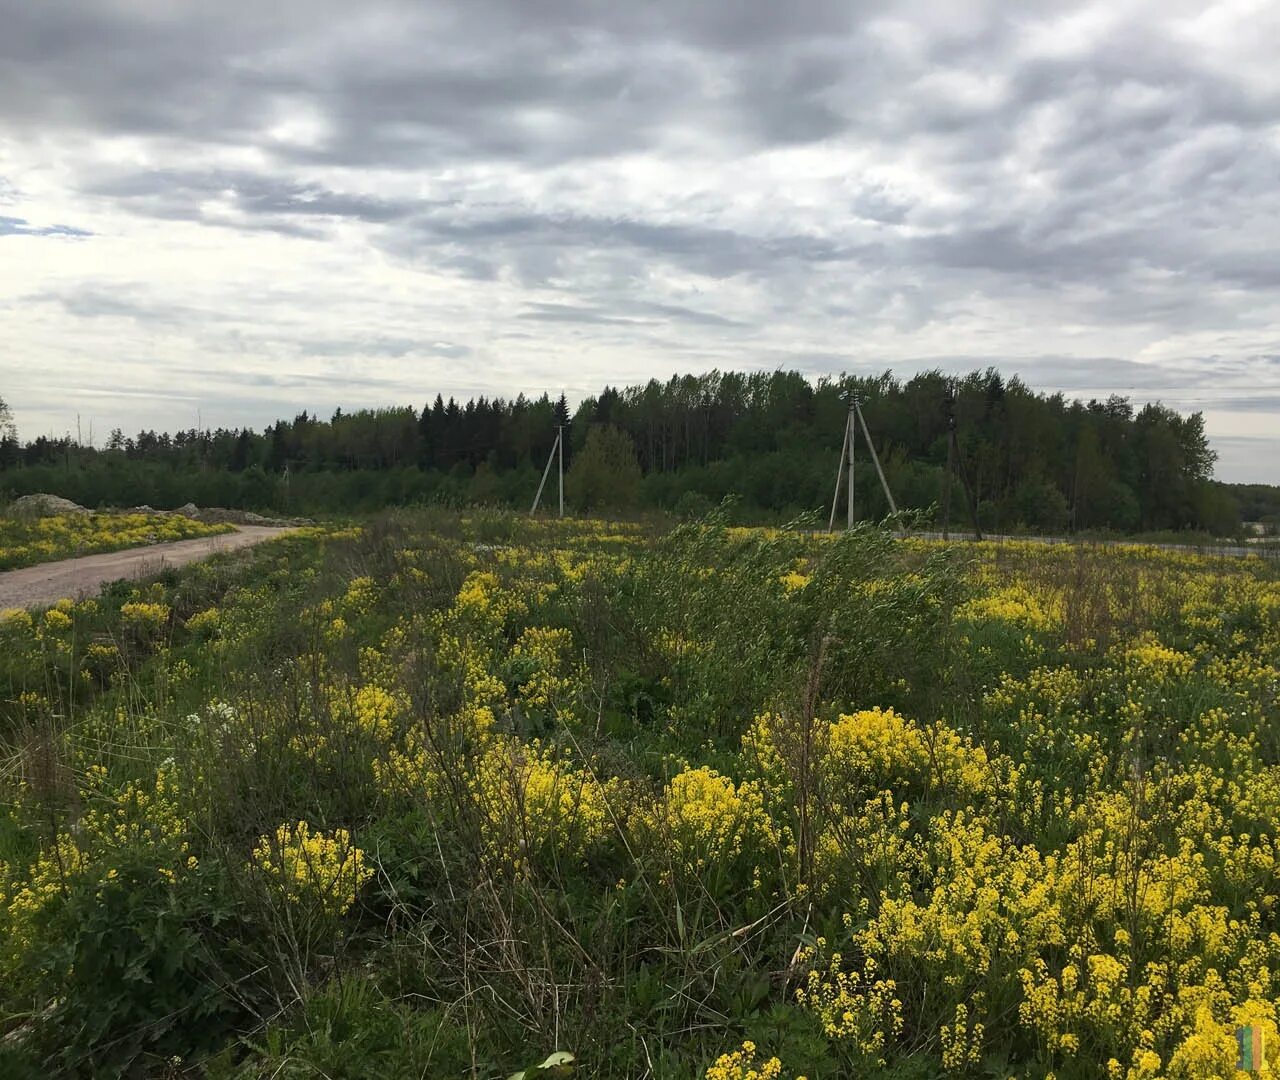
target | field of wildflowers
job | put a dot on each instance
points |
(26, 540)
(441, 795)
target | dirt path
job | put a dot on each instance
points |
(33, 586)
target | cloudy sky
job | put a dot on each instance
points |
(231, 211)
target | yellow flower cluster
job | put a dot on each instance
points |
(371, 709)
(1148, 658)
(1016, 604)
(859, 1008)
(706, 819)
(137, 816)
(545, 649)
(423, 766)
(478, 593)
(27, 541)
(238, 619)
(887, 750)
(313, 867)
(745, 1064)
(52, 632)
(794, 580)
(143, 616)
(534, 803)
(961, 1041)
(205, 623)
(16, 621)
(360, 597)
(28, 892)
(56, 620)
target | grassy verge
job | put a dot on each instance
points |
(26, 541)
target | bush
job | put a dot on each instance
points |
(605, 475)
(132, 969)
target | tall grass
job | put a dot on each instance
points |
(620, 791)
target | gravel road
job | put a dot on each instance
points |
(35, 586)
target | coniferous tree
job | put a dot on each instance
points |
(1035, 461)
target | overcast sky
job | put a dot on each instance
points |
(235, 210)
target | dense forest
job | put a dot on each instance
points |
(1032, 461)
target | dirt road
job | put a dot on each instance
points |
(34, 586)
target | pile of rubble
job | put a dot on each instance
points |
(42, 505)
(220, 515)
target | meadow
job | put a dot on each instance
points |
(28, 540)
(463, 796)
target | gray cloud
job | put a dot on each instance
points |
(627, 313)
(1267, 402)
(90, 301)
(708, 251)
(571, 314)
(1082, 193)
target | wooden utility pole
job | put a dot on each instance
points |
(555, 447)
(835, 497)
(560, 455)
(946, 487)
(875, 458)
(851, 442)
(848, 458)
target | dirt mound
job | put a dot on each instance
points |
(42, 505)
(218, 515)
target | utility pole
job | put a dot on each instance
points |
(852, 442)
(835, 498)
(547, 470)
(875, 458)
(946, 487)
(848, 458)
(556, 454)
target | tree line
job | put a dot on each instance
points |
(1036, 461)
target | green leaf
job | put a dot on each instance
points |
(560, 1057)
(558, 1064)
